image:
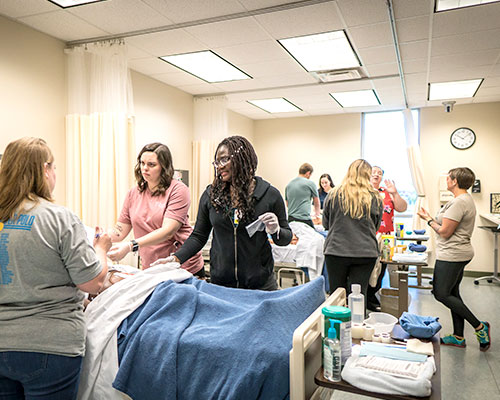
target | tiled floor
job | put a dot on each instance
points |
(465, 373)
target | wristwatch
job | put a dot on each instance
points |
(135, 245)
(430, 221)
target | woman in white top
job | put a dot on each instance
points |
(454, 224)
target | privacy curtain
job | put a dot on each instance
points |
(99, 131)
(210, 127)
(416, 168)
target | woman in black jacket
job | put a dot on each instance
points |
(235, 199)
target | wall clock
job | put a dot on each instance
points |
(463, 138)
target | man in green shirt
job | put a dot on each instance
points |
(298, 195)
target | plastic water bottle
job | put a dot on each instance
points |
(332, 356)
(356, 302)
(386, 251)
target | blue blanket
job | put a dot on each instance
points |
(194, 340)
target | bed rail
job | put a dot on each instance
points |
(305, 356)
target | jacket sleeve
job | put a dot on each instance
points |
(200, 234)
(284, 236)
(325, 219)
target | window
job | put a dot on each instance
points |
(383, 144)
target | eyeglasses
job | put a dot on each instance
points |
(221, 162)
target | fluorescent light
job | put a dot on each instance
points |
(454, 90)
(206, 65)
(444, 5)
(279, 105)
(322, 51)
(358, 98)
(73, 3)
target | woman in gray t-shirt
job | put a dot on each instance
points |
(46, 262)
(454, 224)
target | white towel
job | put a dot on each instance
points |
(382, 382)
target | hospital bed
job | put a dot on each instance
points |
(101, 362)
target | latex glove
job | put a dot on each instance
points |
(169, 259)
(270, 220)
(118, 251)
(101, 240)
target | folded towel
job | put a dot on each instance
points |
(419, 347)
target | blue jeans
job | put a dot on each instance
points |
(40, 376)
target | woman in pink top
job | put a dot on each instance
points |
(156, 209)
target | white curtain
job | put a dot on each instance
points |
(210, 127)
(99, 131)
(416, 167)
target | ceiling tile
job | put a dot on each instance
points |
(227, 33)
(135, 53)
(63, 25)
(371, 35)
(17, 9)
(377, 55)
(458, 74)
(178, 79)
(414, 50)
(414, 66)
(193, 10)
(466, 43)
(272, 68)
(167, 43)
(200, 88)
(412, 29)
(382, 69)
(363, 12)
(467, 20)
(267, 50)
(301, 21)
(417, 82)
(491, 82)
(475, 59)
(120, 16)
(152, 66)
(412, 8)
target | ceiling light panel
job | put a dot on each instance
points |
(207, 66)
(444, 5)
(73, 3)
(454, 90)
(322, 51)
(278, 105)
(358, 98)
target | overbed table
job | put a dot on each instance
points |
(397, 333)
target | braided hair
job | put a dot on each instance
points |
(243, 166)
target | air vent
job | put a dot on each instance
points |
(337, 75)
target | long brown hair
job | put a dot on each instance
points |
(167, 168)
(22, 174)
(355, 194)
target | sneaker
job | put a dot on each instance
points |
(452, 340)
(483, 336)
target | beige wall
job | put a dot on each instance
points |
(328, 143)
(33, 92)
(163, 114)
(331, 143)
(439, 156)
(240, 125)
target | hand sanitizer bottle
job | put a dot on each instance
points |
(332, 356)
(357, 304)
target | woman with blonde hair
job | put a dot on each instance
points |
(45, 262)
(352, 215)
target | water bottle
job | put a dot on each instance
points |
(332, 356)
(356, 302)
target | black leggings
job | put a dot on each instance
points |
(446, 282)
(344, 271)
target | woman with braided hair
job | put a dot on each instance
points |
(235, 199)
